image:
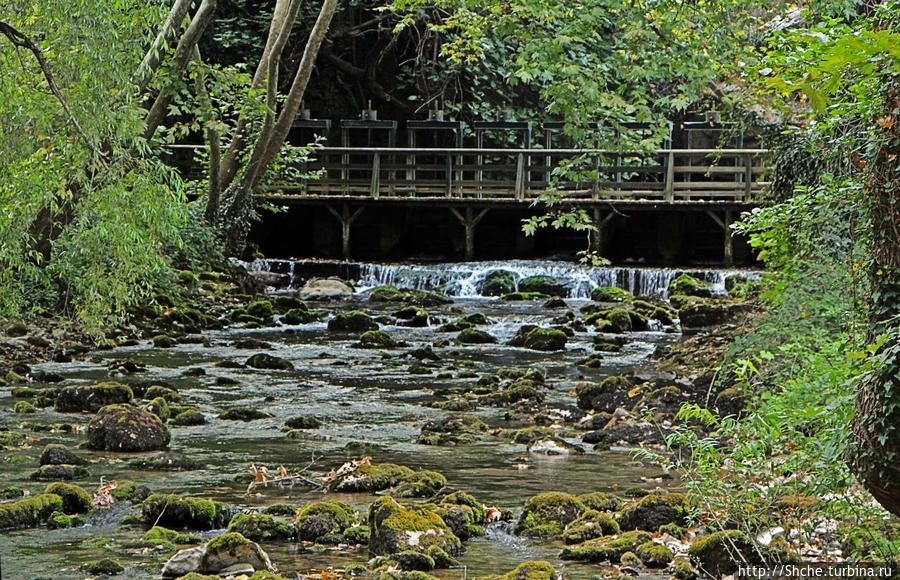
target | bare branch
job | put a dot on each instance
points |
(160, 46)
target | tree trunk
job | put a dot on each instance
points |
(875, 454)
(160, 46)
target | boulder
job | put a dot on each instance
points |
(244, 414)
(609, 294)
(605, 396)
(591, 524)
(324, 289)
(606, 549)
(230, 549)
(395, 528)
(453, 430)
(324, 522)
(273, 279)
(702, 317)
(497, 283)
(258, 527)
(531, 570)
(654, 510)
(183, 562)
(475, 336)
(371, 478)
(58, 472)
(547, 514)
(175, 511)
(421, 298)
(92, 397)
(75, 500)
(687, 285)
(124, 428)
(56, 454)
(354, 321)
(30, 511)
(536, 338)
(543, 284)
(554, 446)
(262, 360)
(720, 553)
(376, 339)
(300, 316)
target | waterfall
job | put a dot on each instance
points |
(464, 279)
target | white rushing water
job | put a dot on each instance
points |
(465, 279)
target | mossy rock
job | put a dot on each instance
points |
(189, 418)
(167, 393)
(75, 499)
(543, 285)
(265, 361)
(524, 296)
(123, 428)
(59, 520)
(497, 283)
(23, 408)
(324, 522)
(610, 294)
(377, 339)
(175, 511)
(92, 397)
(169, 539)
(106, 567)
(280, 509)
(683, 570)
(371, 478)
(453, 430)
(11, 492)
(56, 454)
(542, 339)
(441, 558)
(531, 434)
(720, 553)
(357, 534)
(607, 548)
(654, 510)
(159, 407)
(591, 524)
(300, 316)
(30, 511)
(547, 514)
(16, 329)
(128, 490)
(231, 548)
(601, 501)
(475, 336)
(251, 344)
(687, 285)
(423, 483)
(354, 321)
(531, 570)
(244, 414)
(395, 528)
(58, 472)
(258, 527)
(164, 341)
(260, 309)
(11, 438)
(631, 560)
(620, 319)
(412, 560)
(167, 462)
(654, 555)
(605, 396)
(303, 422)
(421, 298)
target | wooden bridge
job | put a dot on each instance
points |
(470, 181)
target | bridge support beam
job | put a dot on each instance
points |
(725, 223)
(598, 236)
(469, 221)
(346, 218)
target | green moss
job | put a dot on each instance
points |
(30, 511)
(654, 555)
(260, 309)
(547, 514)
(530, 434)
(682, 569)
(609, 294)
(23, 408)
(164, 341)
(592, 524)
(357, 534)
(620, 320)
(280, 509)
(631, 560)
(654, 510)
(601, 501)
(441, 558)
(324, 521)
(75, 499)
(377, 339)
(167, 539)
(303, 422)
(719, 554)
(532, 570)
(170, 395)
(59, 520)
(391, 524)
(188, 418)
(244, 414)
(355, 320)
(423, 483)
(687, 285)
(258, 527)
(159, 407)
(198, 576)
(475, 336)
(105, 566)
(11, 492)
(607, 548)
(521, 296)
(300, 316)
(413, 560)
(184, 512)
(371, 478)
(11, 438)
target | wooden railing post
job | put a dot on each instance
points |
(449, 175)
(670, 177)
(748, 177)
(375, 186)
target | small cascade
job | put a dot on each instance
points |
(465, 279)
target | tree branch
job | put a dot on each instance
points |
(160, 46)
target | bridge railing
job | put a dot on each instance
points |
(522, 174)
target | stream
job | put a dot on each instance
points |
(361, 396)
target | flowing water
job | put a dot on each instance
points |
(361, 395)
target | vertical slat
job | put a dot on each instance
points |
(520, 176)
(449, 191)
(376, 175)
(748, 177)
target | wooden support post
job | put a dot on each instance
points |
(725, 224)
(597, 235)
(670, 177)
(449, 191)
(469, 221)
(375, 185)
(520, 176)
(748, 177)
(346, 218)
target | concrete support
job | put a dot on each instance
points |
(469, 221)
(346, 218)
(725, 223)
